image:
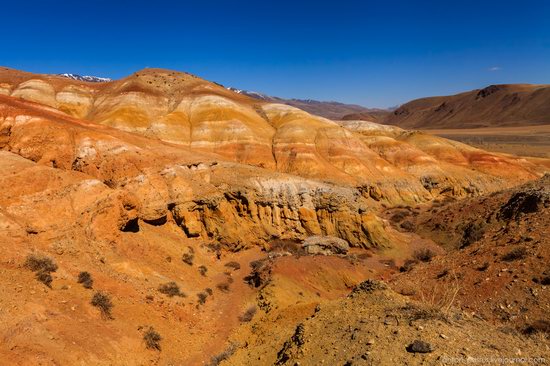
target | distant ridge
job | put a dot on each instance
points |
(504, 105)
(328, 109)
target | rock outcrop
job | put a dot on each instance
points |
(325, 245)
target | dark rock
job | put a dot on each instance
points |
(419, 347)
(325, 245)
(523, 203)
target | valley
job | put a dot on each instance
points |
(163, 219)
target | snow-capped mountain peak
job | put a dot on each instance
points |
(252, 94)
(93, 79)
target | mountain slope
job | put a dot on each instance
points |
(493, 106)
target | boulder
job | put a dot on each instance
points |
(325, 245)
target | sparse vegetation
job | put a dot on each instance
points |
(152, 339)
(483, 267)
(424, 255)
(539, 326)
(188, 257)
(85, 278)
(44, 277)
(442, 274)
(233, 265)
(248, 314)
(472, 233)
(515, 254)
(261, 273)
(408, 265)
(407, 225)
(399, 216)
(228, 352)
(171, 289)
(202, 296)
(216, 248)
(203, 270)
(416, 312)
(223, 287)
(103, 302)
(364, 256)
(40, 263)
(43, 266)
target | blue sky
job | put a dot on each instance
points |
(373, 53)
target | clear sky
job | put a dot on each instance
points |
(373, 53)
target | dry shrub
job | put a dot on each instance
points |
(539, 326)
(442, 274)
(407, 226)
(261, 273)
(515, 254)
(408, 265)
(440, 298)
(103, 302)
(472, 233)
(85, 278)
(203, 270)
(40, 263)
(223, 287)
(44, 277)
(228, 352)
(399, 216)
(422, 311)
(43, 266)
(152, 339)
(171, 289)
(483, 267)
(202, 296)
(424, 255)
(233, 265)
(248, 314)
(188, 257)
(364, 256)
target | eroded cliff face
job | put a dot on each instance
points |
(118, 179)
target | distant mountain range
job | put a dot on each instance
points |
(330, 110)
(92, 79)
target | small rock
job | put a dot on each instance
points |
(370, 342)
(443, 336)
(419, 347)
